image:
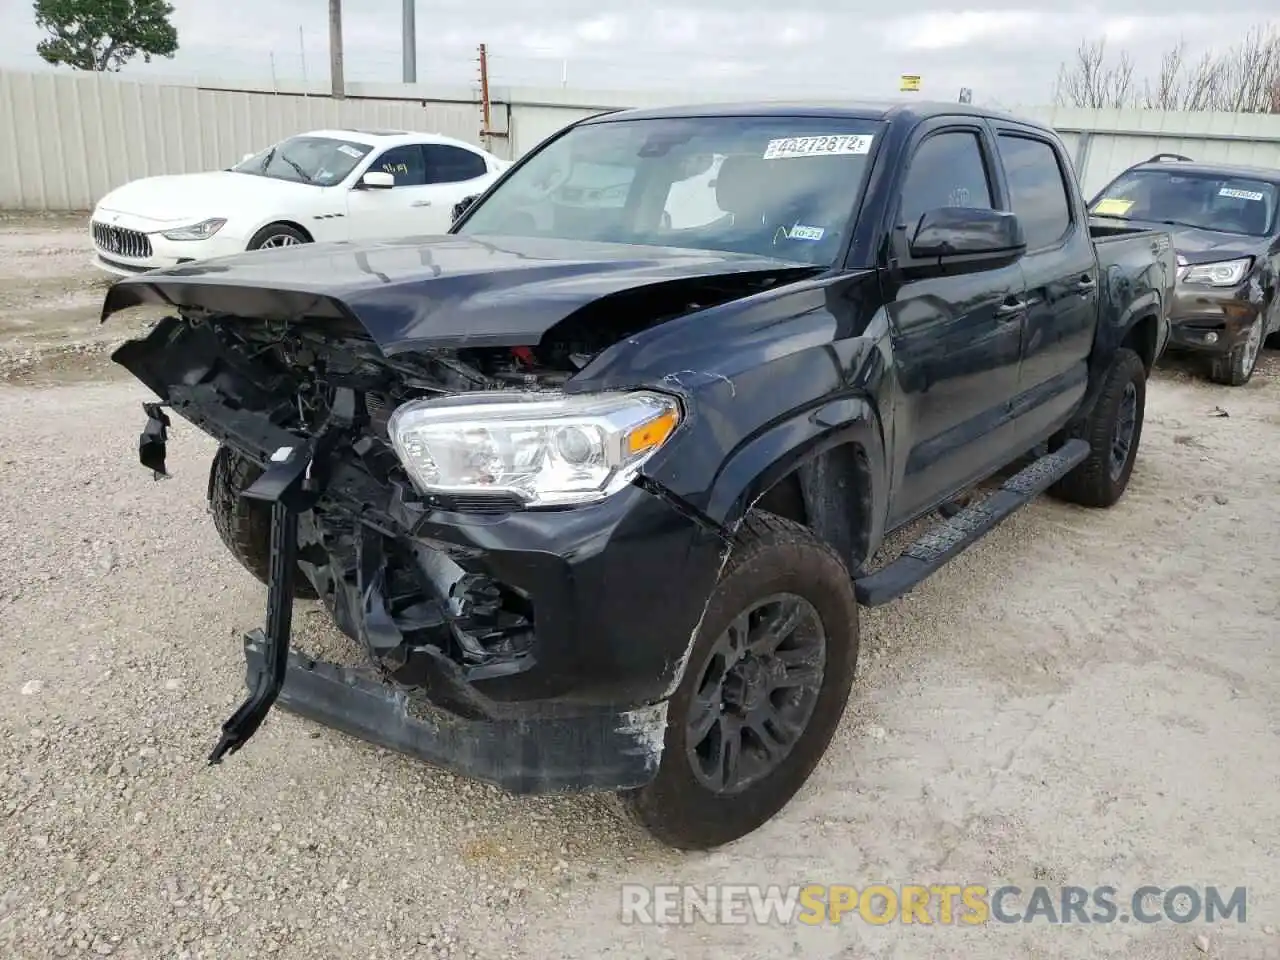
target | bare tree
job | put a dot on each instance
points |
(1244, 78)
(1091, 81)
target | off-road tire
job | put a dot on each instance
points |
(277, 231)
(245, 525)
(1235, 369)
(1091, 483)
(770, 555)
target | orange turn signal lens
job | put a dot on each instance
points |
(652, 433)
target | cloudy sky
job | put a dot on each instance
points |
(1007, 51)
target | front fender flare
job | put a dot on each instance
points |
(800, 441)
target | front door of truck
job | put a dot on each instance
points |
(956, 339)
(1061, 273)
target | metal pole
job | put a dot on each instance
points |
(335, 49)
(410, 40)
(302, 49)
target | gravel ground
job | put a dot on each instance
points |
(1085, 698)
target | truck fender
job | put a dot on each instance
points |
(837, 450)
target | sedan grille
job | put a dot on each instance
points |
(121, 242)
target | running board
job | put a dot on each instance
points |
(953, 536)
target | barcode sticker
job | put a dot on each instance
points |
(835, 145)
(1240, 194)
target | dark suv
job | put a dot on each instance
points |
(1227, 236)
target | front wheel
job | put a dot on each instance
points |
(244, 525)
(1235, 369)
(277, 235)
(1113, 429)
(763, 691)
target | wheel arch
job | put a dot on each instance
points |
(818, 468)
(283, 222)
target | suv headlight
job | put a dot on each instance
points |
(547, 449)
(197, 231)
(1224, 273)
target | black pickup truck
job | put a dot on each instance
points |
(596, 489)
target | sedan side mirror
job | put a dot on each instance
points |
(462, 206)
(378, 180)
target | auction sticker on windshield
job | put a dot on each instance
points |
(840, 144)
(1112, 207)
(1239, 194)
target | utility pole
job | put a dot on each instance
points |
(335, 49)
(410, 40)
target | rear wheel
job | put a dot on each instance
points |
(277, 235)
(1113, 429)
(245, 525)
(764, 689)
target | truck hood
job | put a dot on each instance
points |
(191, 197)
(442, 291)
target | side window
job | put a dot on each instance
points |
(405, 163)
(1036, 189)
(449, 164)
(946, 171)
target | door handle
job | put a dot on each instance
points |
(420, 203)
(1010, 309)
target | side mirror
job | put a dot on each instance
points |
(973, 235)
(378, 180)
(462, 206)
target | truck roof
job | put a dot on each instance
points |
(888, 110)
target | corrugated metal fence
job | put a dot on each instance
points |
(68, 138)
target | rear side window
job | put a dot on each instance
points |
(404, 163)
(449, 164)
(1036, 189)
(946, 171)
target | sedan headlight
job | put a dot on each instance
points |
(1224, 273)
(197, 231)
(547, 449)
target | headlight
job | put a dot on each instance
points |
(546, 449)
(1225, 273)
(197, 231)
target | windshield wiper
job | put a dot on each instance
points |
(302, 173)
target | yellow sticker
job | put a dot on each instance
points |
(1113, 208)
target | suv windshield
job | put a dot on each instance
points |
(1207, 201)
(781, 187)
(322, 161)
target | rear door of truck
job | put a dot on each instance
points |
(1060, 270)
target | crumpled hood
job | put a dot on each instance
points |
(192, 197)
(1207, 246)
(439, 291)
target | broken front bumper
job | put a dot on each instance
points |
(1212, 321)
(616, 590)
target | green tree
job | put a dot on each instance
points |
(104, 34)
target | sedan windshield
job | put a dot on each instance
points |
(783, 187)
(322, 161)
(1206, 201)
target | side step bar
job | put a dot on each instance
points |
(953, 536)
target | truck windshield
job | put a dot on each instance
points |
(783, 187)
(1206, 201)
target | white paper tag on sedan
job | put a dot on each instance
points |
(836, 145)
(349, 150)
(1239, 194)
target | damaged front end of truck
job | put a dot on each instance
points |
(482, 529)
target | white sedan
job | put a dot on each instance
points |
(317, 186)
